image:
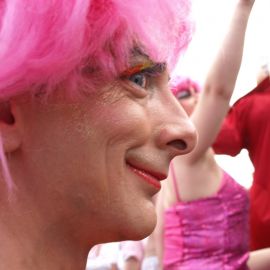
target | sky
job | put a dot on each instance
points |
(212, 18)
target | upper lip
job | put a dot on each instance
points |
(158, 175)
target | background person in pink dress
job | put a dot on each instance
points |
(203, 212)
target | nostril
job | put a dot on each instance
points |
(178, 144)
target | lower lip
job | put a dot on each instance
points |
(146, 177)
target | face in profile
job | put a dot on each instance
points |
(188, 98)
(97, 162)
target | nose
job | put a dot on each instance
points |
(177, 134)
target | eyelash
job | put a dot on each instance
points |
(148, 73)
(140, 81)
(135, 76)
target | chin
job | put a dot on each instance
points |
(140, 225)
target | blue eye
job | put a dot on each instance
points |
(139, 79)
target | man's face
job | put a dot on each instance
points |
(95, 164)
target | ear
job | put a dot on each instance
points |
(10, 126)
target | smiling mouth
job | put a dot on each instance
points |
(149, 177)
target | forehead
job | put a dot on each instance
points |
(138, 57)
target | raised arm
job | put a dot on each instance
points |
(213, 103)
(259, 259)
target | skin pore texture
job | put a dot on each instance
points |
(86, 154)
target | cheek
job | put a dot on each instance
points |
(186, 105)
(60, 140)
(124, 122)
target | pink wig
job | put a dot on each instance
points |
(71, 43)
(181, 83)
(77, 44)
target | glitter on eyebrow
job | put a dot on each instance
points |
(148, 66)
(137, 68)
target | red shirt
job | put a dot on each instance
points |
(247, 125)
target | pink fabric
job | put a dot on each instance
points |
(209, 233)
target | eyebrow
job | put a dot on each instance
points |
(145, 67)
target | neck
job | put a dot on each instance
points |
(34, 240)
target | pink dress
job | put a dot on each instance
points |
(209, 233)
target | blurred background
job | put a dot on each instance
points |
(211, 18)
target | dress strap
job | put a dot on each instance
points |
(175, 183)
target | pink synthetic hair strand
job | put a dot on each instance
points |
(68, 42)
